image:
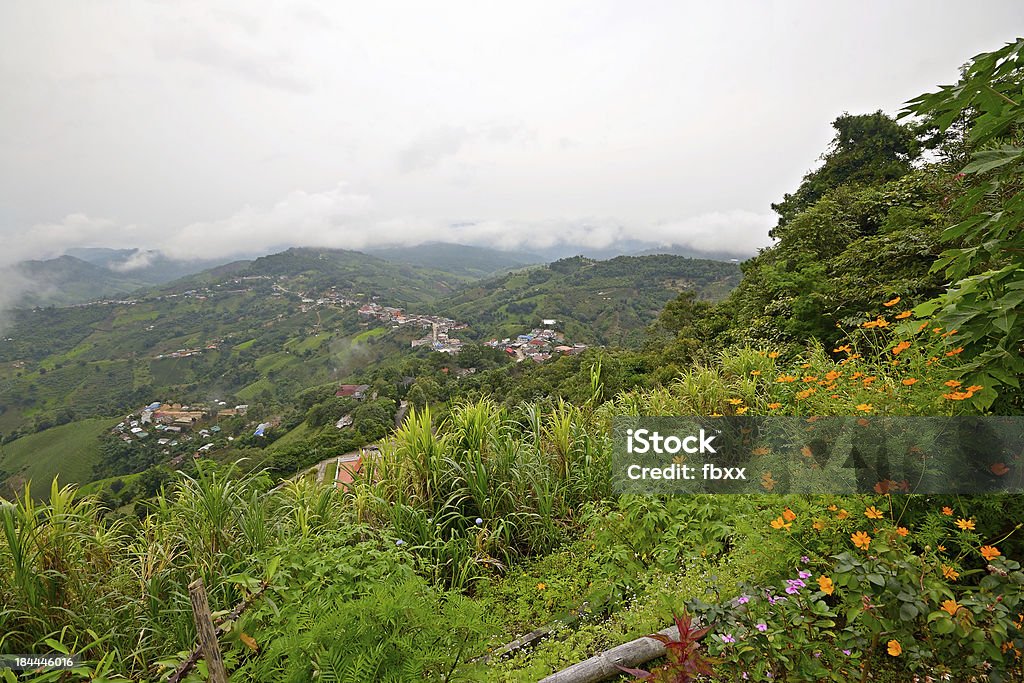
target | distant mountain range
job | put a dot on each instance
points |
(87, 274)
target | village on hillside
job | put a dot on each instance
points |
(438, 339)
(538, 345)
(174, 421)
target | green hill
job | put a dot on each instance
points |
(596, 302)
(459, 259)
(70, 450)
(357, 274)
(68, 280)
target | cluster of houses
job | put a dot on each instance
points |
(185, 353)
(439, 338)
(173, 421)
(329, 298)
(538, 345)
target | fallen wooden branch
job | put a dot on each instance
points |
(531, 638)
(603, 666)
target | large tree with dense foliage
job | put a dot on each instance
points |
(867, 149)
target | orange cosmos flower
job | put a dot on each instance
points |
(891, 303)
(909, 382)
(826, 585)
(900, 348)
(990, 552)
(893, 648)
(954, 352)
(842, 514)
(780, 523)
(861, 539)
(904, 314)
(865, 407)
(999, 469)
(789, 515)
(952, 383)
(774, 406)
(902, 531)
(948, 511)
(958, 395)
(950, 573)
(786, 378)
(873, 513)
(965, 524)
(773, 354)
(950, 606)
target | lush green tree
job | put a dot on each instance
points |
(867, 149)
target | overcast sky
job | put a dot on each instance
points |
(207, 129)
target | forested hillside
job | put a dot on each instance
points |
(600, 302)
(893, 290)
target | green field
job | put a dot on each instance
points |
(69, 451)
(298, 434)
(251, 391)
(371, 333)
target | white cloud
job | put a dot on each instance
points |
(333, 218)
(46, 240)
(345, 219)
(140, 259)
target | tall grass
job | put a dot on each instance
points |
(486, 485)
